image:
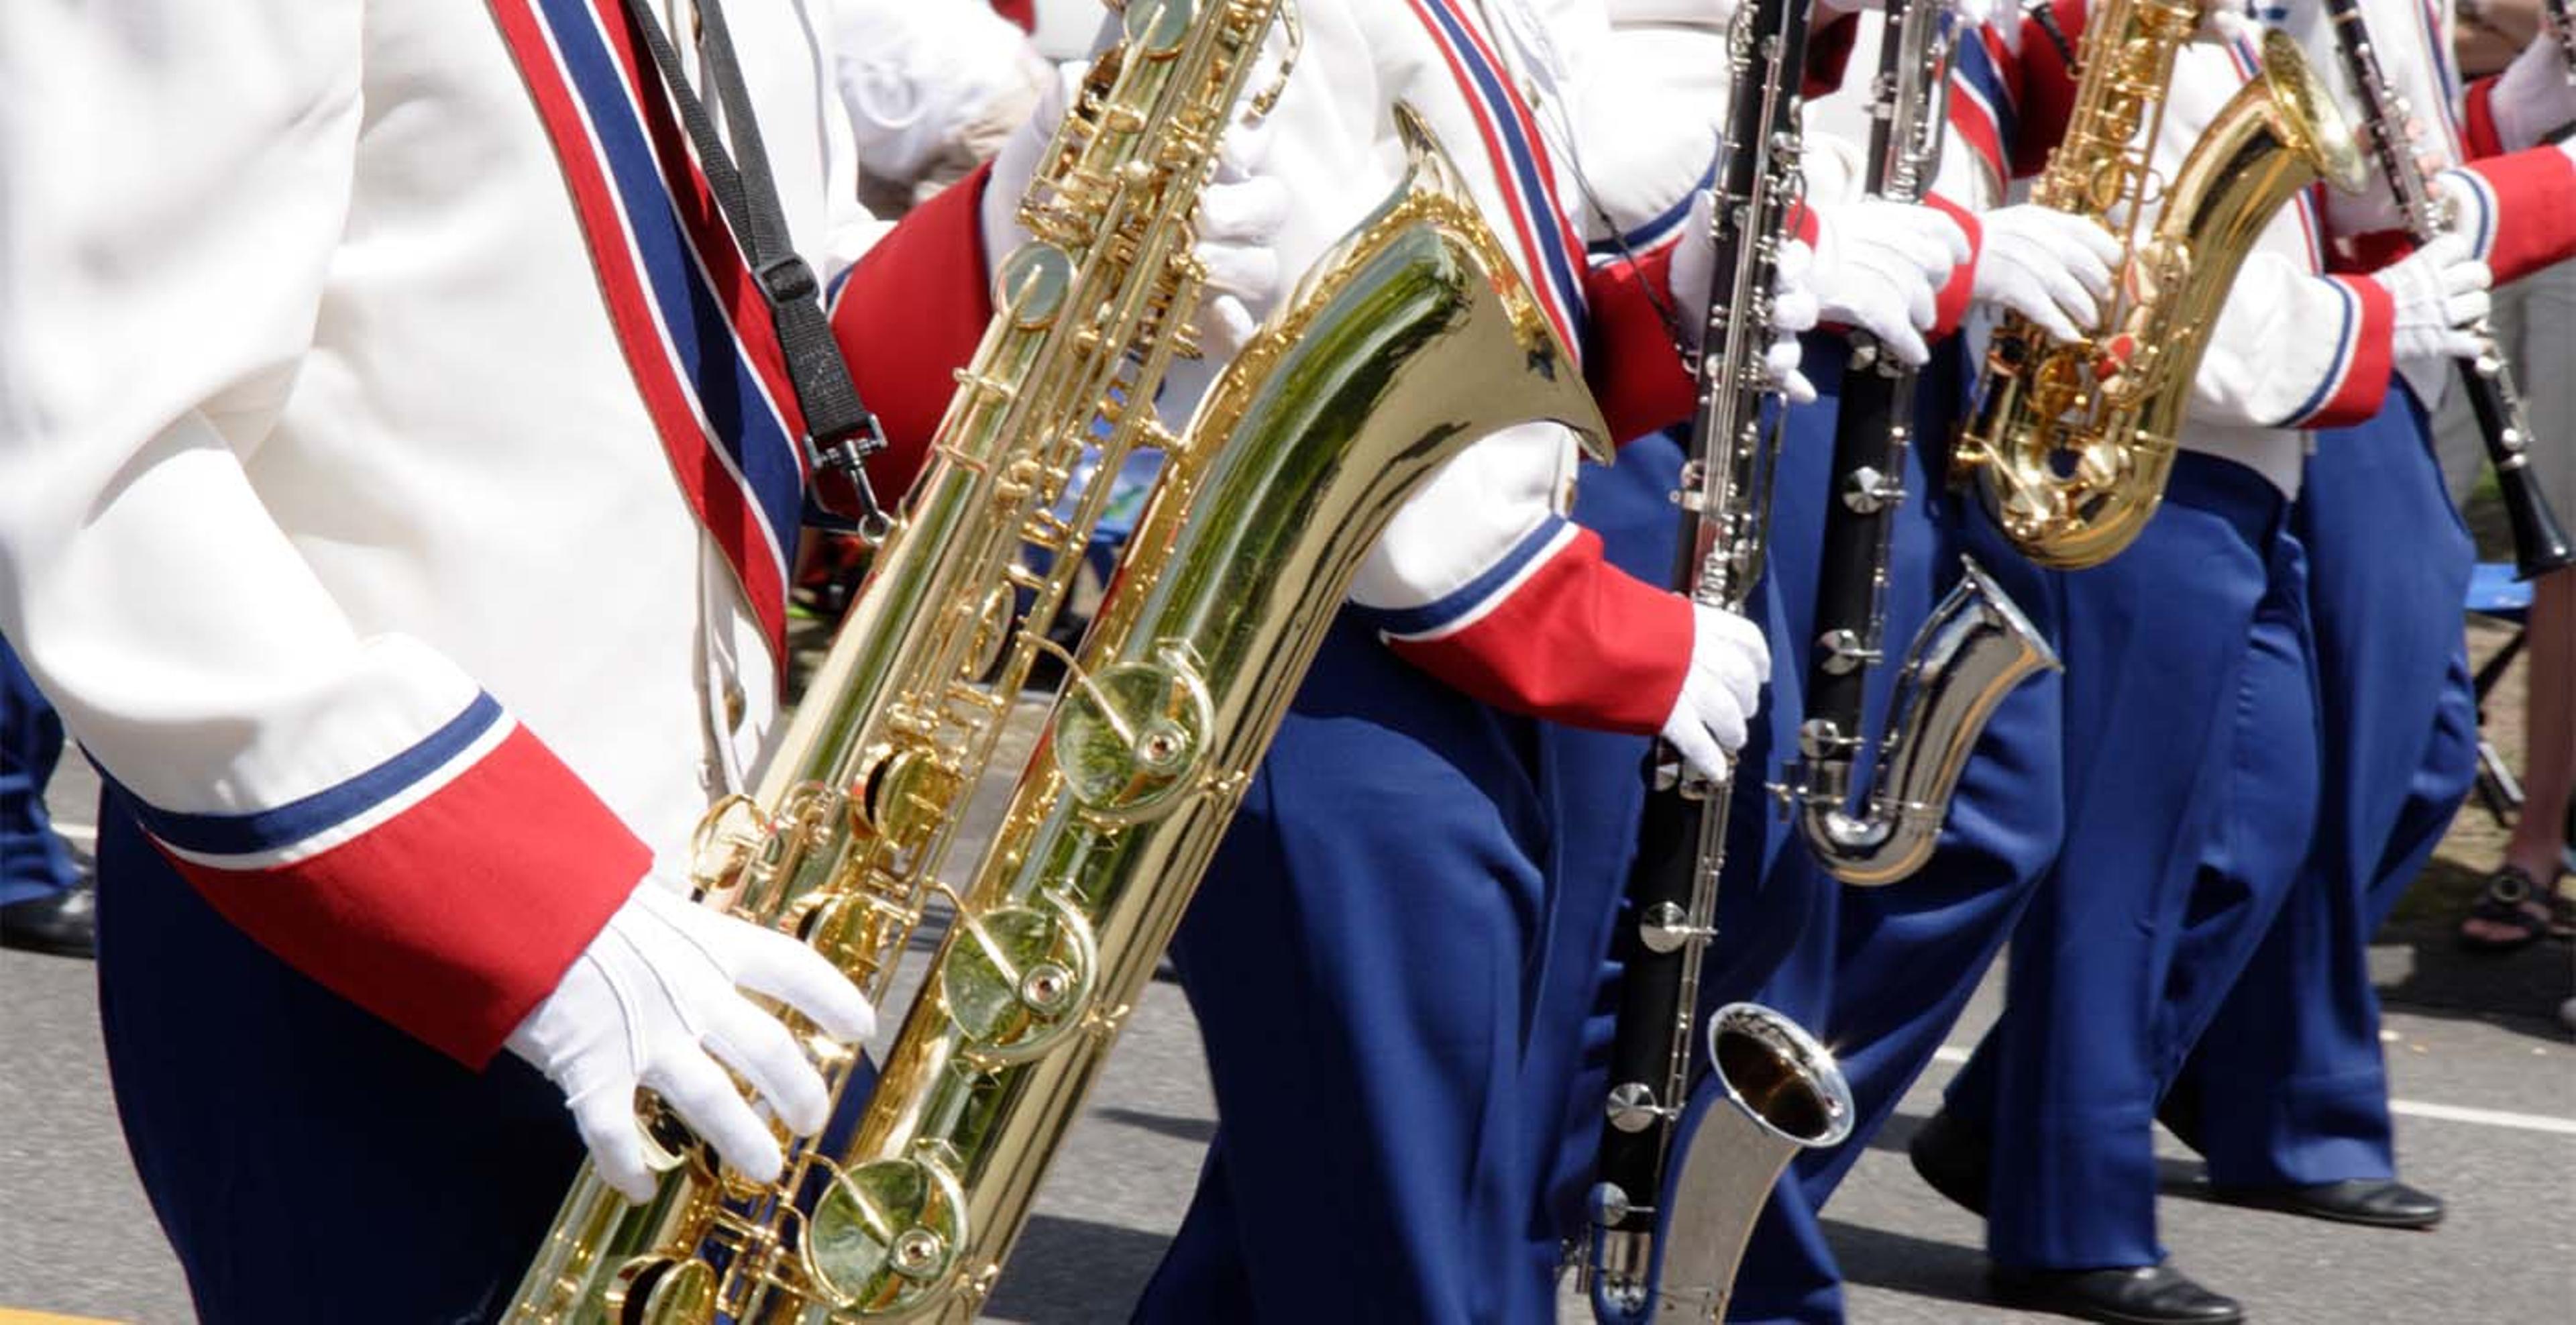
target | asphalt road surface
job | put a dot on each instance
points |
(2487, 1118)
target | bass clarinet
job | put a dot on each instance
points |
(2539, 543)
(1977, 645)
(1664, 1241)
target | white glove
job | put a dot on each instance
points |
(1793, 312)
(1240, 215)
(656, 1001)
(1729, 664)
(2534, 97)
(1880, 267)
(919, 80)
(1793, 299)
(2052, 267)
(2439, 292)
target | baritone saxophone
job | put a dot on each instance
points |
(1411, 339)
(2072, 442)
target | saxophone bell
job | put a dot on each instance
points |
(1777, 1092)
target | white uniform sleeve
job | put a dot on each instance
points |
(174, 180)
(169, 221)
(2294, 350)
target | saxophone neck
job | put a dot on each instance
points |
(1976, 648)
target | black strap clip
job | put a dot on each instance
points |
(788, 280)
(845, 455)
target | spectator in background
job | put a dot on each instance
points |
(46, 905)
(2535, 321)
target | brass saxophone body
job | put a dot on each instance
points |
(2072, 443)
(1409, 341)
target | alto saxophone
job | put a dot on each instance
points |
(2072, 443)
(1411, 339)
(1675, 1193)
(1977, 645)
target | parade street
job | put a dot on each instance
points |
(2486, 1117)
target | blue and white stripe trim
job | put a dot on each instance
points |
(1521, 171)
(1657, 231)
(2340, 366)
(2477, 221)
(1471, 602)
(309, 825)
(736, 407)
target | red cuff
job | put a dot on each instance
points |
(454, 918)
(910, 315)
(1580, 642)
(1829, 51)
(2356, 394)
(1636, 374)
(1950, 307)
(2534, 194)
(2483, 138)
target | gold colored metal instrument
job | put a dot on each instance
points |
(2073, 442)
(1409, 341)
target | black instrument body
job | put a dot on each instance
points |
(2540, 542)
(1725, 493)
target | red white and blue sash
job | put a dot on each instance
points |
(689, 314)
(1548, 242)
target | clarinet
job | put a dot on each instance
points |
(1644, 1259)
(1874, 419)
(2540, 544)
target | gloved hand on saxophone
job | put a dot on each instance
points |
(1241, 212)
(657, 1000)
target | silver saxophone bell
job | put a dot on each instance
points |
(1780, 1092)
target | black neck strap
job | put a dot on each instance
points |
(840, 432)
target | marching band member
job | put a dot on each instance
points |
(2183, 838)
(337, 348)
(1378, 952)
(2285, 1094)
(1882, 973)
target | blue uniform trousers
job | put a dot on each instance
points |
(309, 1162)
(1881, 974)
(2190, 740)
(2286, 1086)
(1395, 961)
(33, 862)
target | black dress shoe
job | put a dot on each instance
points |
(2141, 1295)
(1955, 1158)
(64, 923)
(2378, 1202)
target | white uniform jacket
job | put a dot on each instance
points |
(376, 539)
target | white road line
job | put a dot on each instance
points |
(2453, 1113)
(2449, 1113)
